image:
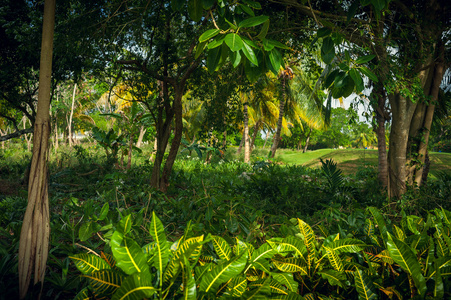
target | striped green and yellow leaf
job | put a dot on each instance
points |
(88, 263)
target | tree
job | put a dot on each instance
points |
(285, 76)
(411, 74)
(34, 235)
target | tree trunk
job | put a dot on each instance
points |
(266, 139)
(276, 140)
(175, 145)
(35, 232)
(424, 121)
(246, 135)
(241, 144)
(381, 117)
(142, 132)
(402, 111)
(162, 134)
(307, 141)
(224, 142)
(254, 136)
(130, 148)
(69, 126)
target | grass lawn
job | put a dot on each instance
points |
(350, 159)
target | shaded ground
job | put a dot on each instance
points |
(8, 188)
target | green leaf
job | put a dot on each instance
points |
(253, 4)
(439, 291)
(87, 229)
(347, 246)
(222, 248)
(89, 263)
(333, 277)
(267, 45)
(207, 4)
(199, 49)
(223, 272)
(263, 31)
(287, 280)
(135, 287)
(235, 58)
(128, 255)
(236, 287)
(287, 245)
(322, 32)
(278, 44)
(364, 285)
(368, 73)
(254, 21)
(403, 255)
(331, 78)
(355, 75)
(352, 10)
(195, 10)
(327, 50)
(216, 42)
(365, 59)
(104, 282)
(234, 41)
(104, 211)
(290, 265)
(214, 55)
(334, 259)
(249, 53)
(247, 10)
(84, 294)
(177, 4)
(379, 221)
(261, 290)
(276, 59)
(191, 249)
(209, 34)
(189, 283)
(125, 225)
(156, 231)
(378, 4)
(309, 238)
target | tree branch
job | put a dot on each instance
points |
(16, 134)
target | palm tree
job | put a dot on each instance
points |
(284, 76)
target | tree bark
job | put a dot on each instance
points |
(402, 111)
(307, 140)
(69, 126)
(241, 144)
(35, 232)
(175, 145)
(426, 120)
(254, 135)
(381, 117)
(276, 140)
(246, 135)
(142, 132)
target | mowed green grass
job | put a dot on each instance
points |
(349, 160)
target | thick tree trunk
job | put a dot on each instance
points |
(276, 140)
(35, 232)
(246, 135)
(402, 111)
